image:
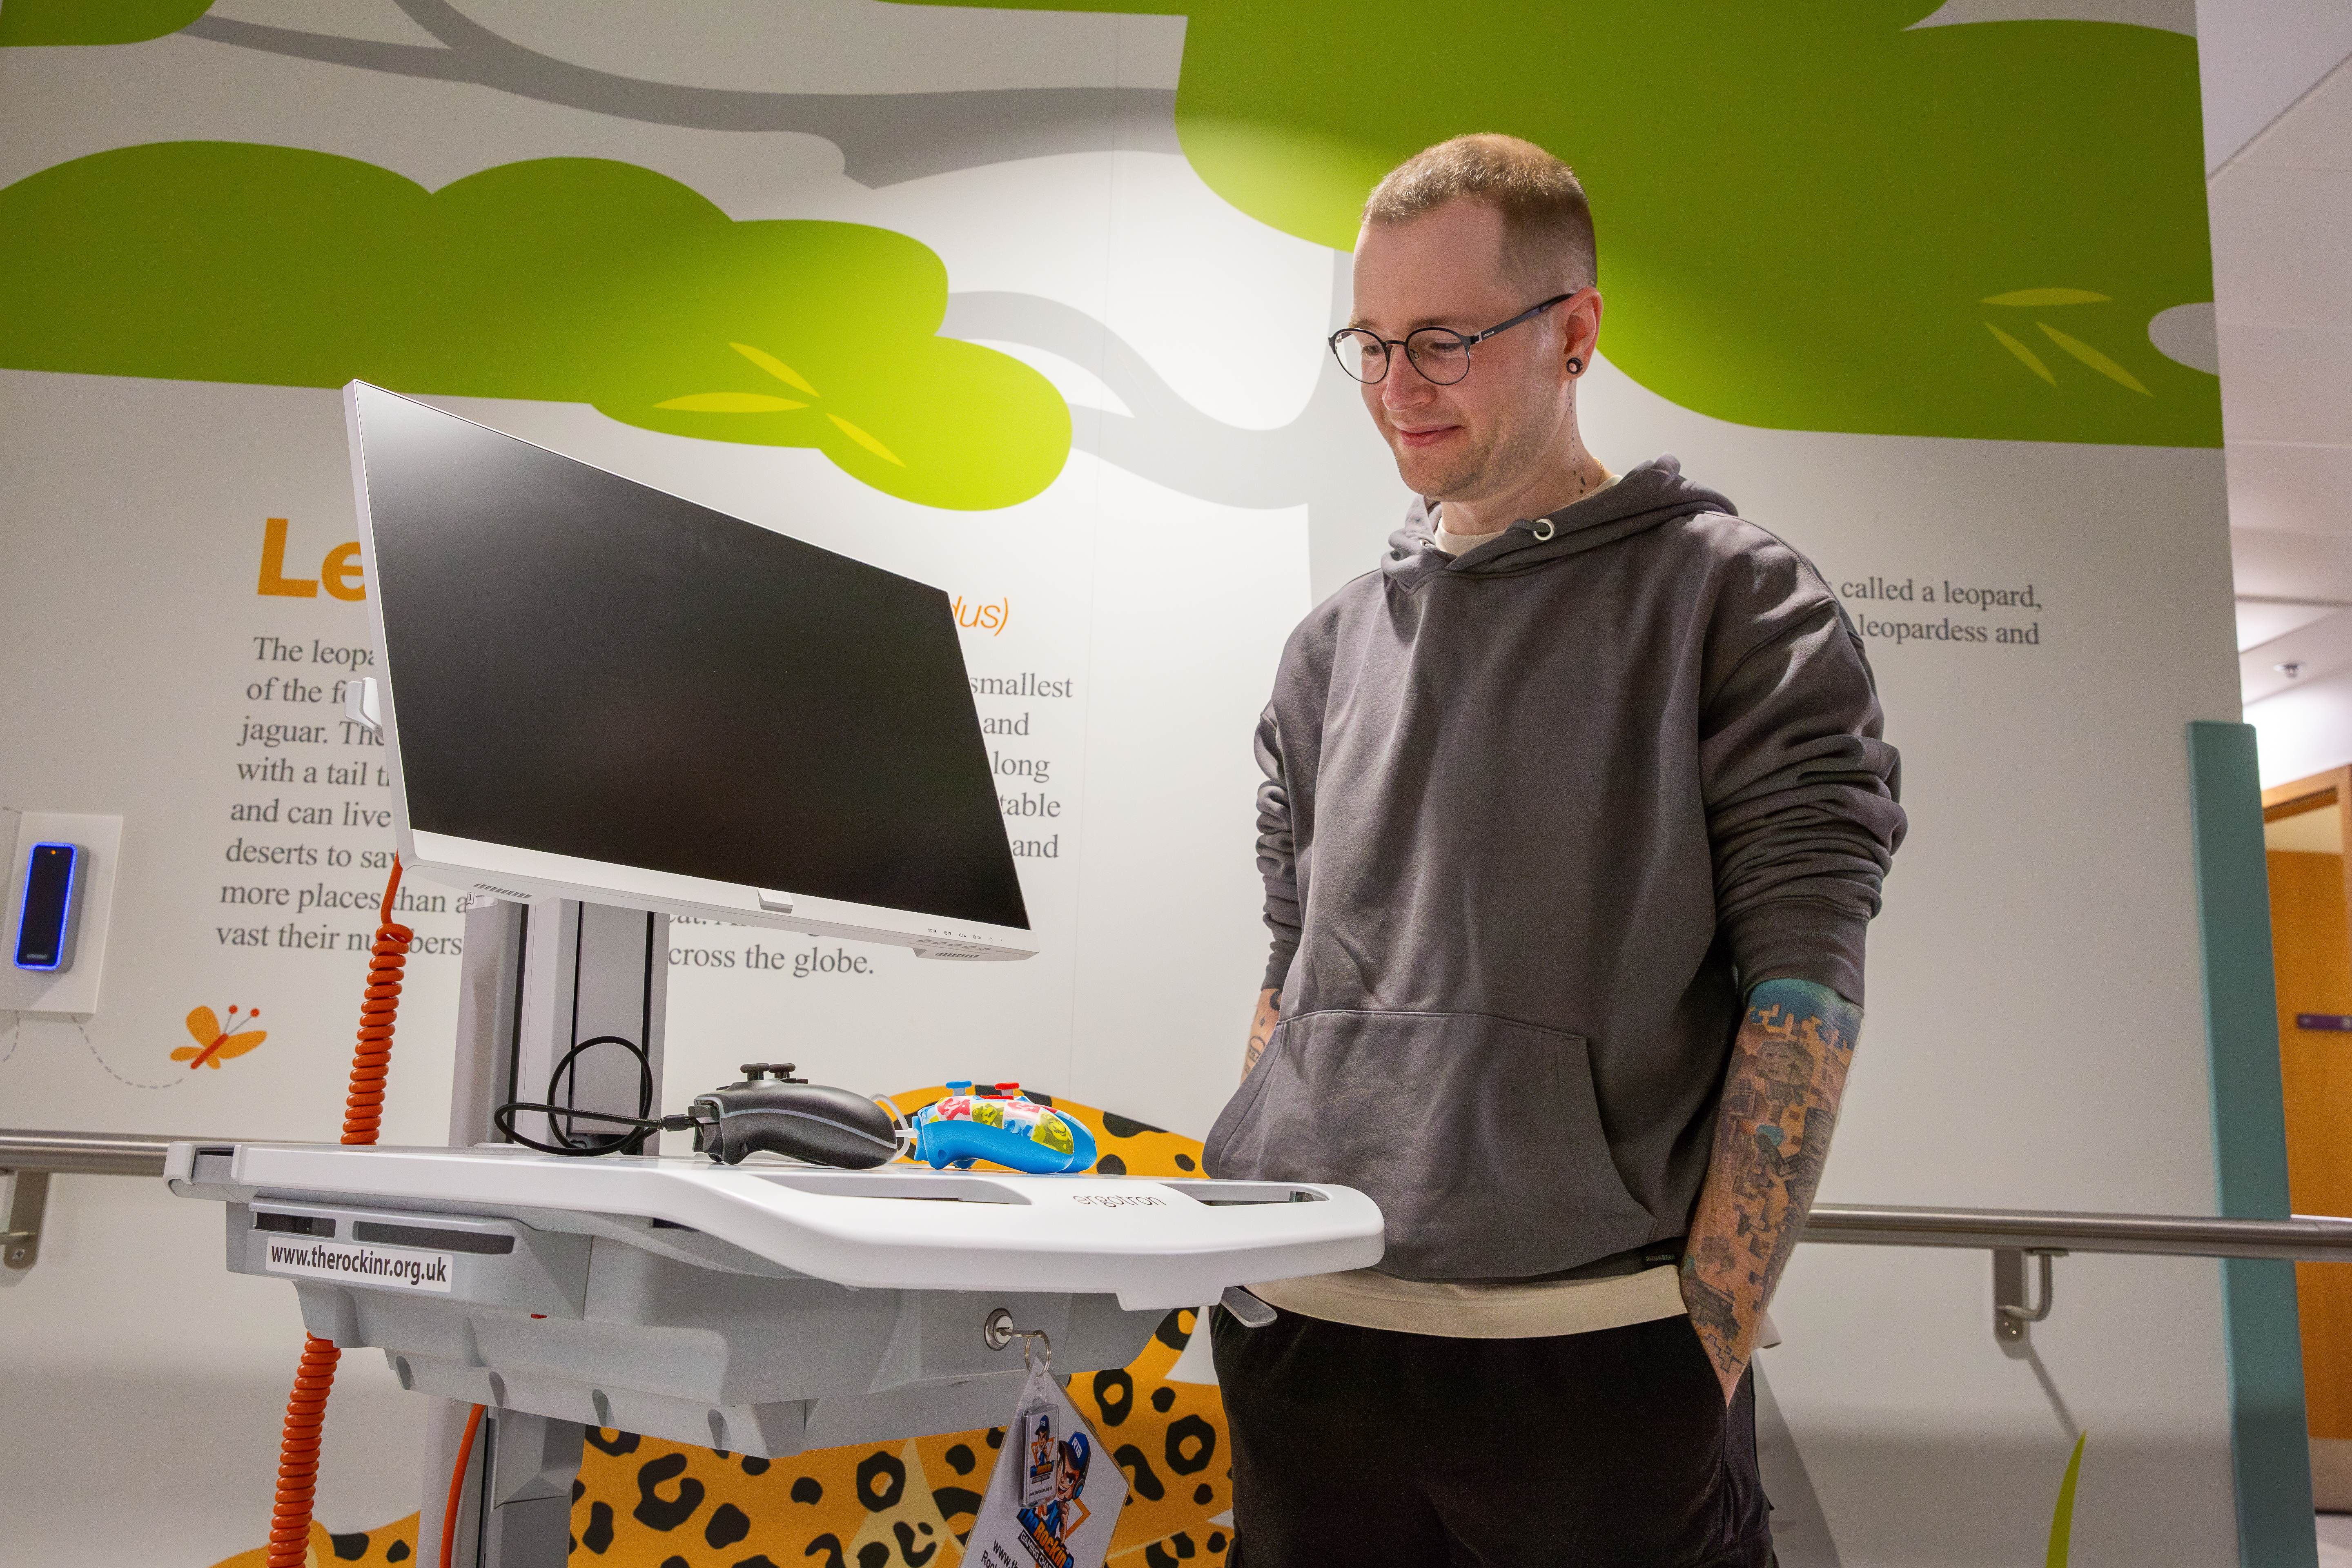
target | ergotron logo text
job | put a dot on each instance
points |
(398, 1267)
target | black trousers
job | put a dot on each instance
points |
(1610, 1449)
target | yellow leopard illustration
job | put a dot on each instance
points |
(386, 1544)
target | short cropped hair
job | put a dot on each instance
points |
(1547, 221)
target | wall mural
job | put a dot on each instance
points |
(1856, 219)
(1807, 213)
(572, 279)
(1926, 190)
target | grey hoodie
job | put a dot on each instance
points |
(1533, 821)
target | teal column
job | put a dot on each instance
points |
(2269, 1442)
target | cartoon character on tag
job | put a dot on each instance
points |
(1038, 1473)
(1049, 1529)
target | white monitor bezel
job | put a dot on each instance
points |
(512, 871)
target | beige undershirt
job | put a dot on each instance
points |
(1462, 544)
(1371, 1299)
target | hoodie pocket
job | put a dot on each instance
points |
(1479, 1139)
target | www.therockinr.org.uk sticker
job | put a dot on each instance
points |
(401, 1268)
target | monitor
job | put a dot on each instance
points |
(591, 688)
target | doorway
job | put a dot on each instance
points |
(2305, 830)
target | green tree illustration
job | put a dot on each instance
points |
(570, 280)
(1801, 204)
(33, 22)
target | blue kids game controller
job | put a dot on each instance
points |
(997, 1123)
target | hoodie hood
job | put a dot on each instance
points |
(1643, 498)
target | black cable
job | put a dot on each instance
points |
(570, 1063)
(646, 1126)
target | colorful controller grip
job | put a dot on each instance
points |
(998, 1124)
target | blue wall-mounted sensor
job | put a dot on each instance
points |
(45, 923)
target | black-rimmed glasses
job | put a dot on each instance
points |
(1440, 354)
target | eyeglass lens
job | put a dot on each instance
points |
(1440, 356)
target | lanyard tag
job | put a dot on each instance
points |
(1038, 1427)
(1065, 1522)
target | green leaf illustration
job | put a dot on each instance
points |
(730, 403)
(866, 441)
(2032, 361)
(773, 366)
(2046, 297)
(570, 280)
(2093, 358)
(2061, 1519)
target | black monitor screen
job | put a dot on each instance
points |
(588, 666)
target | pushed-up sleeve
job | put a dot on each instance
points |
(1803, 793)
(1278, 856)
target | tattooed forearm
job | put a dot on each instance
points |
(1780, 1105)
(1261, 1028)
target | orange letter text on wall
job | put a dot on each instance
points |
(274, 580)
(341, 572)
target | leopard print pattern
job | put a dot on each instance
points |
(388, 1544)
(642, 1502)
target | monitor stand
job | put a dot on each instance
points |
(541, 982)
(538, 982)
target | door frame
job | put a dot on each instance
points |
(2312, 792)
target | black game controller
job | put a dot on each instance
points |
(788, 1115)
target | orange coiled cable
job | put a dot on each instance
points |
(371, 1061)
(298, 1454)
(306, 1410)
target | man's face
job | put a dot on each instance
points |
(1489, 432)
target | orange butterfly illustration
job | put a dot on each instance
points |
(215, 1041)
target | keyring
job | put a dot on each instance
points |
(996, 1332)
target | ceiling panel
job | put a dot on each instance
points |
(2303, 490)
(2283, 247)
(2261, 621)
(2311, 568)
(2256, 56)
(2287, 383)
(2318, 133)
(2278, 83)
(2320, 648)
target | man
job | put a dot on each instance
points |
(1575, 813)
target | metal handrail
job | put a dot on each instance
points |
(2012, 1236)
(2306, 1237)
(90, 1153)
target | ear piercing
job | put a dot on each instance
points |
(1575, 365)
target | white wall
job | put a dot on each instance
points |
(2034, 1037)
